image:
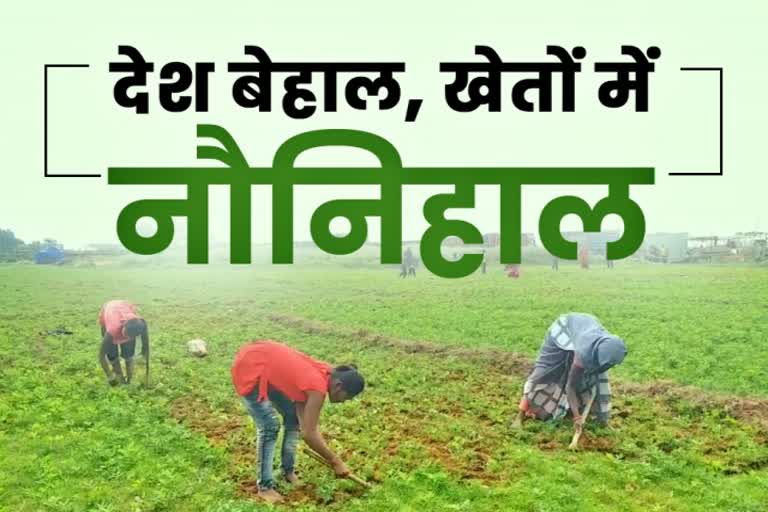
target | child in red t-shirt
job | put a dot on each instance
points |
(274, 378)
(120, 325)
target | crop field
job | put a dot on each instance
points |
(445, 362)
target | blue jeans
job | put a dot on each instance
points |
(264, 415)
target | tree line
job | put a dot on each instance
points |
(15, 249)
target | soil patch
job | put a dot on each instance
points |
(749, 410)
(221, 428)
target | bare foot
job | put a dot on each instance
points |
(270, 496)
(291, 478)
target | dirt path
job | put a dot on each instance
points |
(749, 410)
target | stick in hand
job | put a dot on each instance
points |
(576, 435)
(146, 372)
(352, 477)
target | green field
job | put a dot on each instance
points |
(445, 362)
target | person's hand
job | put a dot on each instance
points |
(341, 469)
(578, 422)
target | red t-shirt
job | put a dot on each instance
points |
(267, 363)
(113, 316)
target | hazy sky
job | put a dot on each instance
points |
(90, 132)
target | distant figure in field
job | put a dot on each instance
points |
(120, 326)
(408, 266)
(584, 257)
(609, 262)
(572, 365)
(274, 378)
(513, 271)
(555, 263)
(484, 265)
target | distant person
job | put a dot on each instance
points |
(120, 326)
(572, 364)
(274, 378)
(408, 266)
(484, 265)
(609, 262)
(513, 271)
(555, 263)
(584, 257)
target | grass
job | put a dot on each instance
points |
(445, 361)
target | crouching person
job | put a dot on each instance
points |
(571, 368)
(120, 326)
(273, 379)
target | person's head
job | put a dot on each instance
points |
(611, 351)
(134, 327)
(345, 384)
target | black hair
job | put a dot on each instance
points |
(134, 327)
(351, 380)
